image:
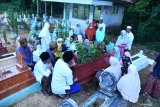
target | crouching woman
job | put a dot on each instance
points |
(42, 72)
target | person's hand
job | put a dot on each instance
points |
(50, 66)
(31, 64)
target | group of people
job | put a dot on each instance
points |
(52, 72)
(94, 32)
(51, 61)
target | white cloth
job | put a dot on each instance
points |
(45, 37)
(130, 40)
(129, 85)
(122, 39)
(115, 67)
(100, 35)
(40, 70)
(102, 25)
(78, 31)
(62, 77)
(37, 53)
(129, 27)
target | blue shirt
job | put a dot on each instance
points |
(27, 54)
(52, 57)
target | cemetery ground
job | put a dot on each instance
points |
(39, 100)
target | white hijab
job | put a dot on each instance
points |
(45, 36)
(115, 67)
(129, 85)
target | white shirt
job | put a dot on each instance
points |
(102, 25)
(62, 77)
(130, 40)
(40, 70)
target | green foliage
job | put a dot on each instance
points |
(5, 35)
(149, 31)
(12, 19)
(85, 55)
(144, 17)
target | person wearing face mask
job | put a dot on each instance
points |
(62, 79)
(90, 32)
(42, 73)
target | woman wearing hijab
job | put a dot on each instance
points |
(122, 41)
(115, 67)
(129, 85)
(90, 32)
(100, 34)
(126, 61)
(45, 37)
(110, 76)
(153, 83)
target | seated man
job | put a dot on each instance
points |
(26, 52)
(42, 72)
(71, 44)
(62, 79)
(52, 49)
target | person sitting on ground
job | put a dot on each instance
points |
(122, 42)
(152, 87)
(129, 85)
(71, 44)
(126, 61)
(130, 37)
(90, 32)
(62, 79)
(52, 49)
(26, 52)
(60, 48)
(109, 46)
(42, 72)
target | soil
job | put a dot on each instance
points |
(39, 100)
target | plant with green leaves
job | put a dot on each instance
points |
(12, 19)
(5, 35)
(85, 54)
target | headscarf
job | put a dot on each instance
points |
(45, 36)
(117, 53)
(127, 54)
(100, 34)
(37, 53)
(90, 32)
(122, 39)
(129, 85)
(95, 24)
(114, 67)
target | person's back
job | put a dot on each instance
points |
(62, 77)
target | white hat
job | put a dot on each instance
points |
(129, 27)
